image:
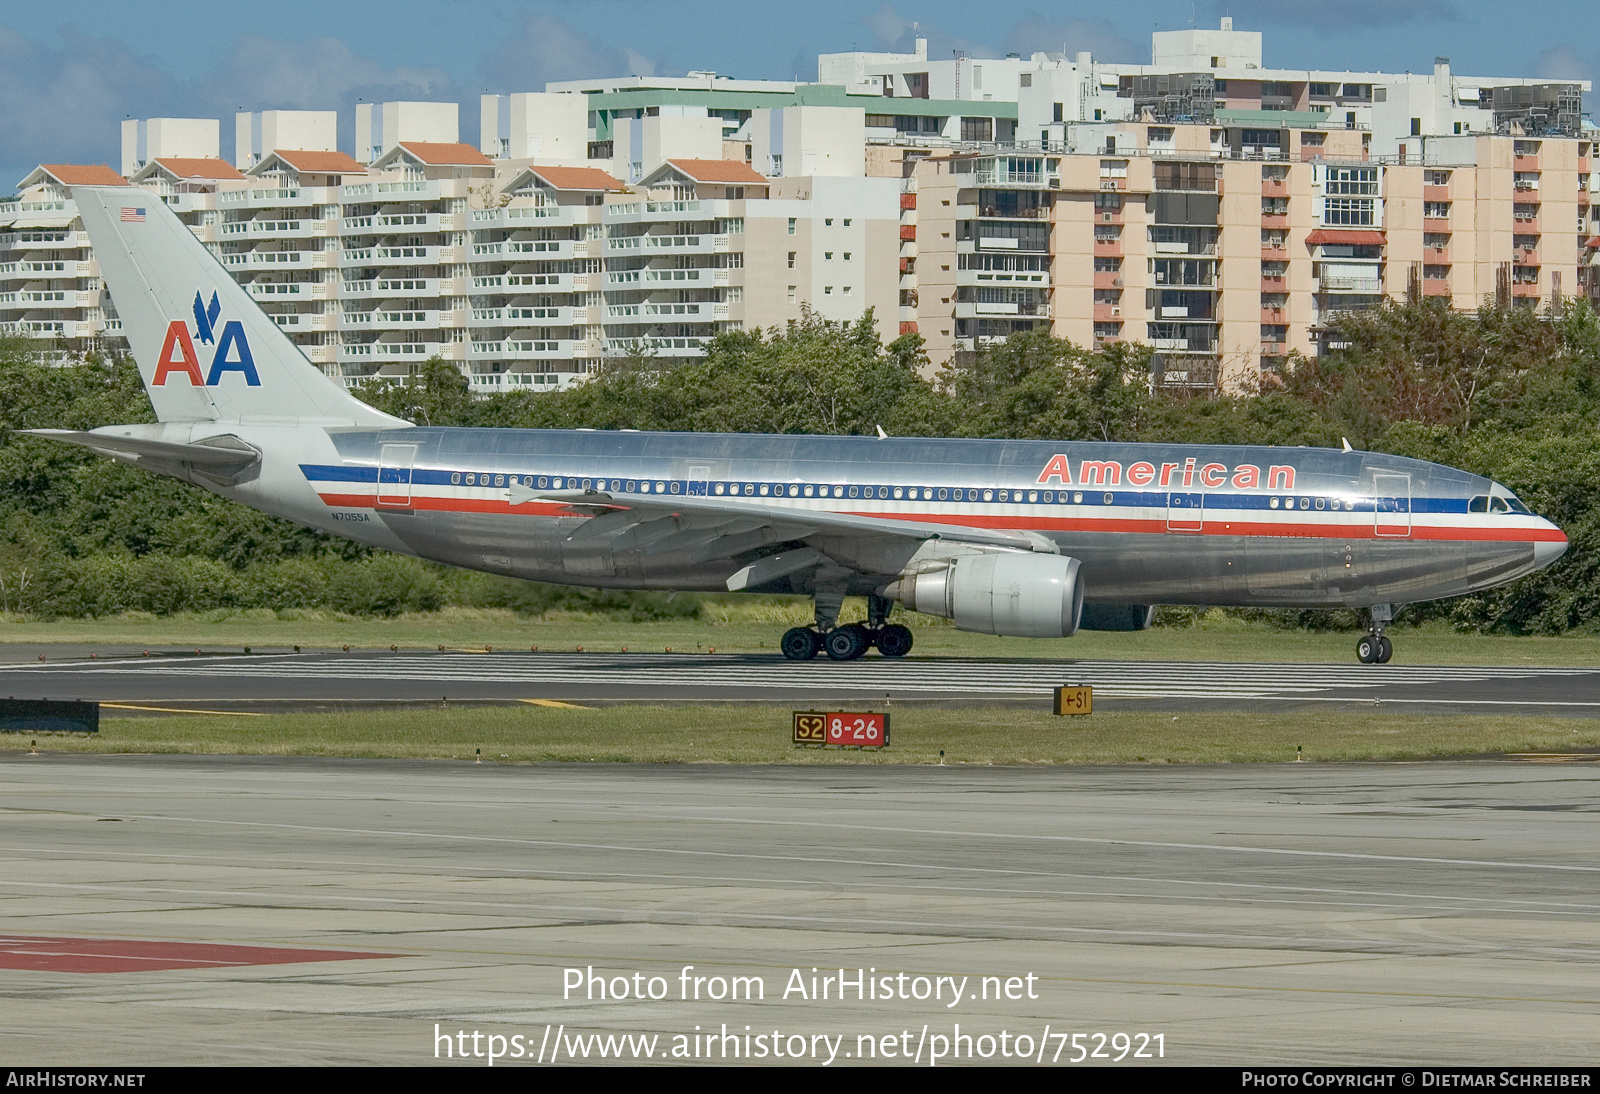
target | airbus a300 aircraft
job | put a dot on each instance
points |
(1029, 538)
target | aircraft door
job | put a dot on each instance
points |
(1185, 511)
(1391, 496)
(394, 476)
(699, 475)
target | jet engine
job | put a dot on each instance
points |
(1026, 596)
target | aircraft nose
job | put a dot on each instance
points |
(1546, 551)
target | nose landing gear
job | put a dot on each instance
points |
(851, 641)
(1373, 648)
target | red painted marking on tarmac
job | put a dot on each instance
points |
(132, 955)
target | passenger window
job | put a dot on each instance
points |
(455, 479)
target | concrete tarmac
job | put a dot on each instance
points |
(1440, 912)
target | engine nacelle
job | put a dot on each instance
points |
(1026, 596)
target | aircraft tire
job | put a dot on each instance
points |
(1367, 649)
(894, 640)
(847, 643)
(1385, 650)
(800, 643)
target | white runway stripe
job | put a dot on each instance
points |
(1112, 679)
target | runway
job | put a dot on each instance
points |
(384, 677)
(312, 911)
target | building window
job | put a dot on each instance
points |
(847, 256)
(847, 222)
(791, 225)
(1436, 210)
(791, 294)
(1436, 273)
(1349, 211)
(827, 290)
(791, 260)
(827, 255)
(846, 291)
(828, 222)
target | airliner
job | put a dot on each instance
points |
(1033, 538)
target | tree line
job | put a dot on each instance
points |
(1505, 392)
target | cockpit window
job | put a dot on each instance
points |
(1485, 503)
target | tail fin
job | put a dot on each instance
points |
(205, 350)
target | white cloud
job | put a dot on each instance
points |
(1349, 16)
(547, 49)
(316, 74)
(1566, 63)
(1035, 33)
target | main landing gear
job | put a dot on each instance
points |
(1373, 648)
(850, 641)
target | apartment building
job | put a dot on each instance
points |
(1224, 250)
(404, 259)
(50, 286)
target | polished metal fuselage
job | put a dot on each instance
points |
(1180, 524)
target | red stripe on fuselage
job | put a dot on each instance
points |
(1146, 526)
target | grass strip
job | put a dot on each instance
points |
(756, 735)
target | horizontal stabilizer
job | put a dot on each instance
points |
(223, 458)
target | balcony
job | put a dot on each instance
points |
(1274, 220)
(392, 351)
(1275, 188)
(1274, 282)
(273, 198)
(1108, 247)
(1270, 253)
(1273, 316)
(268, 291)
(1524, 290)
(405, 286)
(305, 322)
(973, 309)
(1107, 279)
(1525, 163)
(1435, 193)
(1367, 285)
(1105, 313)
(1436, 224)
(1435, 287)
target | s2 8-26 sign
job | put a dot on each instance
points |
(847, 729)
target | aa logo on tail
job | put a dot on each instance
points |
(232, 352)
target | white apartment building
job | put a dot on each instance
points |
(1201, 76)
(257, 133)
(537, 278)
(147, 139)
(50, 285)
(404, 258)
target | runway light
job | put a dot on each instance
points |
(94, 657)
(247, 649)
(713, 649)
(624, 649)
(441, 649)
(346, 649)
(580, 649)
(488, 649)
(393, 648)
(197, 653)
(669, 650)
(41, 656)
(479, 753)
(533, 649)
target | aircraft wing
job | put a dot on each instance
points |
(722, 527)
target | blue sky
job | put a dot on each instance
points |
(70, 71)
